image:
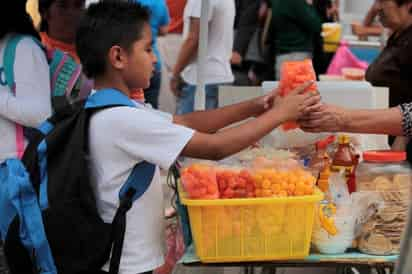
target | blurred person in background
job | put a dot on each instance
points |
(369, 26)
(169, 46)
(295, 23)
(159, 23)
(251, 59)
(28, 104)
(221, 17)
(328, 11)
(59, 19)
(393, 67)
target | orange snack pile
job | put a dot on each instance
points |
(206, 182)
(294, 74)
(234, 184)
(199, 182)
(273, 183)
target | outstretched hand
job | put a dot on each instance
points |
(297, 103)
(323, 118)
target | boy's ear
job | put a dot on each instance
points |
(117, 57)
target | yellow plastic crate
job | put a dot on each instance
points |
(261, 229)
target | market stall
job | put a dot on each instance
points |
(269, 223)
(328, 202)
(317, 208)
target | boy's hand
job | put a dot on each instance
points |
(297, 103)
(265, 103)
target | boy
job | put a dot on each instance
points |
(114, 45)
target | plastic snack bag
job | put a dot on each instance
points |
(294, 74)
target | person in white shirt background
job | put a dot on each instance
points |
(221, 16)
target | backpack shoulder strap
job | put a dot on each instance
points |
(135, 186)
(108, 98)
(9, 57)
(23, 203)
(64, 73)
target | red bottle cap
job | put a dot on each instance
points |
(384, 156)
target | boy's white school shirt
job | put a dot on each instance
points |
(120, 138)
(31, 105)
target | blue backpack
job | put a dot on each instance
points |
(50, 223)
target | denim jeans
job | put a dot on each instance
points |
(152, 93)
(186, 101)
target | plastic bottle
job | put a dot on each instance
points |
(344, 157)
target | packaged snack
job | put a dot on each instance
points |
(294, 74)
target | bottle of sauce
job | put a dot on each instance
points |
(344, 157)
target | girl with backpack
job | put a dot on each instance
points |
(57, 31)
(26, 101)
(58, 24)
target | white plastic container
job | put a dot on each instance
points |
(338, 244)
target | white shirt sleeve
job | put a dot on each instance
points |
(32, 103)
(144, 134)
(195, 9)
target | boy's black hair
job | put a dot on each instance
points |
(105, 24)
(15, 19)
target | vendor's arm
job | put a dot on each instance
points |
(228, 141)
(329, 118)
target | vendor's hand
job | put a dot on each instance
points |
(323, 118)
(293, 106)
(175, 84)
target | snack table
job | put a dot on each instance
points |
(342, 262)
